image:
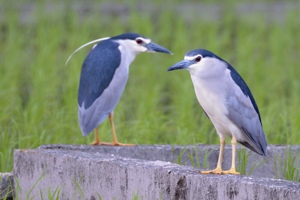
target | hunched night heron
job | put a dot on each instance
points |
(103, 78)
(227, 101)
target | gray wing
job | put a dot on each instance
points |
(244, 113)
(97, 72)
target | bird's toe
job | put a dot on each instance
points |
(122, 144)
(214, 171)
(231, 171)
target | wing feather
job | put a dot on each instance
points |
(97, 72)
(243, 111)
(95, 100)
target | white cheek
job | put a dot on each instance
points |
(132, 47)
(208, 68)
(195, 66)
(198, 69)
(139, 48)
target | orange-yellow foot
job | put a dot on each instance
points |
(121, 144)
(100, 143)
(214, 171)
(231, 171)
(110, 144)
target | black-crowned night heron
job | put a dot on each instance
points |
(103, 78)
(227, 101)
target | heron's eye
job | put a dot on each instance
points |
(139, 41)
(198, 59)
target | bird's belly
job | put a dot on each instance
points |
(225, 127)
(214, 104)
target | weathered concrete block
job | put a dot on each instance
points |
(85, 172)
(197, 155)
(6, 185)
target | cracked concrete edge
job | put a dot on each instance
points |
(79, 174)
(6, 185)
(194, 155)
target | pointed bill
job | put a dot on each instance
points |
(184, 64)
(153, 47)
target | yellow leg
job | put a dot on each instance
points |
(115, 140)
(97, 140)
(232, 169)
(218, 170)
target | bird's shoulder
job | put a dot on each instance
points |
(104, 54)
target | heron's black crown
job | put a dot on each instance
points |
(203, 52)
(129, 36)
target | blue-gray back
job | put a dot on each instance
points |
(97, 71)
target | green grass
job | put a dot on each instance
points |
(289, 166)
(243, 161)
(38, 95)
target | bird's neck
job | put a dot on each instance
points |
(127, 55)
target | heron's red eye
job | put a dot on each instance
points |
(139, 41)
(198, 59)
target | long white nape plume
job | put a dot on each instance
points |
(91, 42)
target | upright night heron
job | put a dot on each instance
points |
(227, 101)
(103, 78)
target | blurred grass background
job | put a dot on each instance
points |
(38, 93)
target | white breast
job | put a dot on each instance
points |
(211, 96)
(210, 88)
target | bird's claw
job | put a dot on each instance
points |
(101, 143)
(214, 171)
(231, 171)
(122, 144)
(220, 171)
(111, 144)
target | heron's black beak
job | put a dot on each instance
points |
(152, 47)
(184, 64)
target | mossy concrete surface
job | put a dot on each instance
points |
(142, 172)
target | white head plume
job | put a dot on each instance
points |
(91, 42)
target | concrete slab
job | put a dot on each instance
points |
(140, 172)
(6, 185)
(200, 156)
